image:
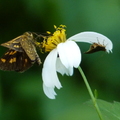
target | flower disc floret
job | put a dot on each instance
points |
(51, 42)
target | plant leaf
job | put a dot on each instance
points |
(110, 111)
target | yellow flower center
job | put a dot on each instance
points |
(50, 42)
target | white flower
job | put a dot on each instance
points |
(93, 37)
(64, 55)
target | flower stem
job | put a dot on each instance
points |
(90, 92)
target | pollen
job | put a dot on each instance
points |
(50, 42)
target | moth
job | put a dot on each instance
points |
(95, 48)
(21, 54)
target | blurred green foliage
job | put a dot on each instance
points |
(21, 94)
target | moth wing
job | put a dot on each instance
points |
(30, 50)
(91, 50)
(23, 62)
(5, 63)
(15, 61)
(95, 48)
(14, 44)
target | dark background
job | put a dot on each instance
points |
(21, 94)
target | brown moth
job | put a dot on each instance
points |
(95, 48)
(22, 53)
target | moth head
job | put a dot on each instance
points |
(29, 34)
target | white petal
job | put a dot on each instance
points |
(69, 54)
(61, 68)
(63, 55)
(49, 74)
(49, 91)
(93, 37)
(70, 70)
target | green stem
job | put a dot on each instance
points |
(90, 92)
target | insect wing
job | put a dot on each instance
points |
(95, 48)
(15, 61)
(30, 50)
(14, 44)
(23, 62)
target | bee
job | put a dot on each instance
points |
(21, 54)
(95, 48)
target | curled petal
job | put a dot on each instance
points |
(61, 68)
(49, 74)
(69, 54)
(49, 91)
(93, 37)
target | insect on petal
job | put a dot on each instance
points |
(93, 37)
